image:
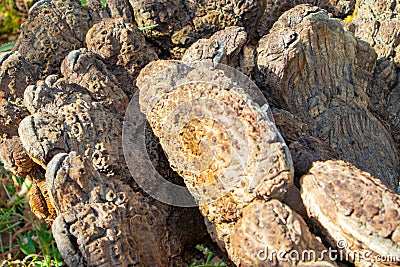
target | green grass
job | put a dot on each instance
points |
(148, 27)
(7, 47)
(210, 259)
(23, 241)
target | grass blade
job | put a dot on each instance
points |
(7, 47)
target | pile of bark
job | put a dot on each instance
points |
(312, 163)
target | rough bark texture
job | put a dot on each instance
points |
(180, 23)
(70, 118)
(82, 115)
(222, 47)
(110, 223)
(16, 73)
(323, 82)
(272, 226)
(275, 8)
(291, 127)
(112, 9)
(123, 48)
(319, 72)
(53, 28)
(207, 141)
(351, 206)
(14, 157)
(378, 23)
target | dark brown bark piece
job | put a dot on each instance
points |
(275, 8)
(53, 28)
(288, 125)
(85, 69)
(123, 48)
(181, 23)
(69, 120)
(82, 115)
(112, 9)
(112, 225)
(222, 47)
(378, 24)
(269, 227)
(16, 73)
(320, 73)
(15, 158)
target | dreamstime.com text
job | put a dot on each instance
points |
(341, 253)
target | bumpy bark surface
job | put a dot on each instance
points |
(222, 47)
(353, 207)
(104, 233)
(275, 8)
(65, 118)
(123, 48)
(82, 115)
(319, 72)
(222, 123)
(16, 73)
(14, 157)
(291, 127)
(68, 117)
(378, 23)
(112, 9)
(321, 79)
(53, 28)
(180, 23)
(271, 226)
(110, 223)
(88, 71)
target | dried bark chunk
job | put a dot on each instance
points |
(393, 109)
(15, 75)
(320, 73)
(181, 23)
(14, 157)
(352, 206)
(122, 47)
(83, 113)
(112, 224)
(53, 28)
(275, 8)
(40, 202)
(267, 228)
(112, 9)
(378, 23)
(222, 47)
(83, 68)
(183, 104)
(69, 120)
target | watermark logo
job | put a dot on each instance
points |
(188, 108)
(342, 252)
